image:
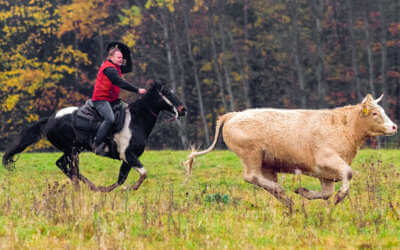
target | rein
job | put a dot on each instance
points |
(173, 117)
(152, 112)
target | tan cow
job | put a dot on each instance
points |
(318, 143)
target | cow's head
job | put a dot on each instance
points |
(375, 119)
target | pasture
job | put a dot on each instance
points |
(215, 209)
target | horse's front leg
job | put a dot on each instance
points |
(123, 174)
(142, 172)
(138, 166)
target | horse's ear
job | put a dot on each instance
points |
(156, 84)
(149, 83)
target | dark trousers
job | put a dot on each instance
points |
(106, 112)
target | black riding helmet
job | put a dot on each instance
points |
(126, 66)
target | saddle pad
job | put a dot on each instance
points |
(88, 119)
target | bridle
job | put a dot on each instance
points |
(175, 116)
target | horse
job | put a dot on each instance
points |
(129, 141)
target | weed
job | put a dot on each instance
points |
(216, 208)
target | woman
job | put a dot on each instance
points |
(106, 92)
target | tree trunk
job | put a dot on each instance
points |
(182, 82)
(353, 45)
(196, 78)
(383, 54)
(296, 51)
(216, 65)
(100, 41)
(181, 93)
(171, 71)
(227, 72)
(371, 73)
(383, 62)
(243, 74)
(318, 10)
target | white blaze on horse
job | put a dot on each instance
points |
(318, 143)
(71, 132)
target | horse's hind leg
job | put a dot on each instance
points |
(89, 183)
(71, 172)
(62, 164)
(74, 168)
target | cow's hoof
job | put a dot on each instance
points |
(339, 197)
(301, 191)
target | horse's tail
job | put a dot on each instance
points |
(220, 122)
(28, 136)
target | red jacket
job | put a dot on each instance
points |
(104, 90)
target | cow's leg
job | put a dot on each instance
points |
(332, 167)
(327, 189)
(267, 179)
(347, 174)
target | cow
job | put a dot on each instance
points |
(318, 143)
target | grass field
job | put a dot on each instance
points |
(215, 209)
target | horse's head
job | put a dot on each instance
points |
(162, 98)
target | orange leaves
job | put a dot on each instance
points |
(132, 17)
(393, 74)
(69, 55)
(207, 67)
(10, 102)
(198, 5)
(394, 28)
(85, 17)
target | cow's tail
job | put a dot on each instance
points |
(220, 122)
(28, 136)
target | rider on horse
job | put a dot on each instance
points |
(107, 88)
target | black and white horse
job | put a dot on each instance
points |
(140, 118)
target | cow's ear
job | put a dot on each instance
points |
(365, 110)
(368, 99)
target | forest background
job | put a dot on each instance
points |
(217, 55)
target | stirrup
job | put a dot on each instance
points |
(101, 149)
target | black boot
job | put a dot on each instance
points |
(99, 147)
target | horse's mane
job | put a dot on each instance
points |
(143, 101)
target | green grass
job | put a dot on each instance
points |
(215, 209)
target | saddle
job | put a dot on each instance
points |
(86, 121)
